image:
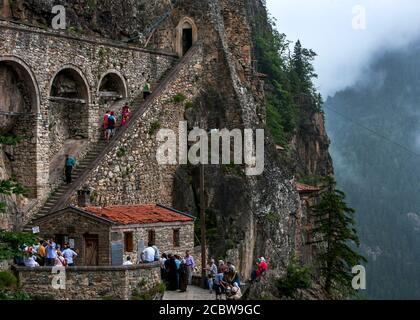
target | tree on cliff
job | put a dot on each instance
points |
(334, 229)
(302, 71)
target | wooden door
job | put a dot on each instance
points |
(91, 251)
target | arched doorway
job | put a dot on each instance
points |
(186, 36)
(112, 86)
(19, 106)
(68, 117)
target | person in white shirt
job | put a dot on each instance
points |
(128, 262)
(69, 255)
(148, 255)
(30, 262)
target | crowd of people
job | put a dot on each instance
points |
(47, 253)
(111, 120)
(177, 271)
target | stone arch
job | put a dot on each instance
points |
(186, 35)
(113, 84)
(79, 90)
(19, 107)
(68, 117)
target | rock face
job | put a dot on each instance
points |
(311, 142)
(107, 18)
(247, 216)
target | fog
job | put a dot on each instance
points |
(345, 53)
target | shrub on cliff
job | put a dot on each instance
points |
(297, 278)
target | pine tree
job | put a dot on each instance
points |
(334, 227)
(302, 70)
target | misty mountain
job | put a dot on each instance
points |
(375, 131)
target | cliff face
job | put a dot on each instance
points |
(247, 217)
(114, 19)
(311, 144)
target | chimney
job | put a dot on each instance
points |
(83, 197)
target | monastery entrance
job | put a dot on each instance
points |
(186, 36)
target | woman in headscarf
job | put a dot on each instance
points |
(232, 276)
(183, 276)
(172, 273)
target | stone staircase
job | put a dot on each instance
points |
(59, 199)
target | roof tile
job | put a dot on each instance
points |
(138, 214)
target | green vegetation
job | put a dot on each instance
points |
(154, 128)
(75, 30)
(121, 152)
(9, 286)
(289, 75)
(10, 140)
(178, 98)
(11, 242)
(297, 278)
(10, 187)
(233, 169)
(138, 294)
(7, 280)
(189, 105)
(334, 226)
(273, 218)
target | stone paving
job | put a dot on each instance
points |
(193, 293)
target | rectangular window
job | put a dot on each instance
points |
(128, 242)
(176, 238)
(152, 236)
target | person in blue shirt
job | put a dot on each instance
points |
(51, 253)
(69, 255)
(70, 163)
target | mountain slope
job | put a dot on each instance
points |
(376, 149)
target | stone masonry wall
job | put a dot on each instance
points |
(44, 54)
(134, 176)
(91, 283)
(75, 227)
(164, 237)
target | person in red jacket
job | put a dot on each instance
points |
(260, 270)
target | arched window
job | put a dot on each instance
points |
(112, 85)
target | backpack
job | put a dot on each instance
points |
(111, 121)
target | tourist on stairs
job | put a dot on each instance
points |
(70, 163)
(106, 117)
(125, 114)
(112, 121)
(146, 89)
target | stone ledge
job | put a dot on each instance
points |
(92, 268)
(23, 27)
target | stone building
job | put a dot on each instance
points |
(106, 236)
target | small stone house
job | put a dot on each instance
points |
(106, 236)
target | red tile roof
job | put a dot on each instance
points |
(301, 187)
(138, 214)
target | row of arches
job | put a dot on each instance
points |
(69, 118)
(68, 97)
